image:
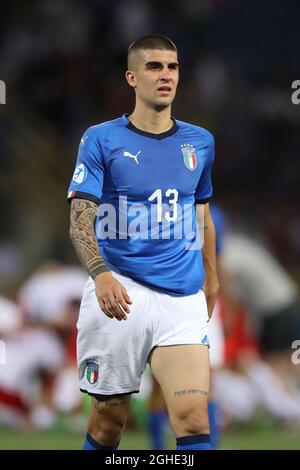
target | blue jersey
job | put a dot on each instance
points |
(147, 185)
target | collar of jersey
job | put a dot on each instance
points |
(161, 136)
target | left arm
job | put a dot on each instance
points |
(211, 285)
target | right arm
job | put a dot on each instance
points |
(112, 296)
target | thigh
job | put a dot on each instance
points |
(156, 398)
(183, 373)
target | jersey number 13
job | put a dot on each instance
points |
(172, 203)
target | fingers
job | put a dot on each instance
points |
(114, 300)
(126, 296)
(104, 309)
(114, 306)
(209, 309)
(124, 300)
(109, 308)
(116, 309)
(210, 305)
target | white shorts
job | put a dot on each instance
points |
(112, 354)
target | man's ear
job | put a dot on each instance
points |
(130, 77)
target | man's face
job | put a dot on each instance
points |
(154, 76)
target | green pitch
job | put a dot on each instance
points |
(64, 440)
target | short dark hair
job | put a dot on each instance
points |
(151, 41)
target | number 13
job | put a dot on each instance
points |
(158, 195)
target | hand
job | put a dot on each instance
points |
(211, 292)
(112, 296)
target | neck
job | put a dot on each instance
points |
(151, 120)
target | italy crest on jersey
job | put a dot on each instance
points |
(189, 156)
(92, 372)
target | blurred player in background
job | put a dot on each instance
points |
(260, 329)
(34, 356)
(269, 293)
(39, 377)
(50, 300)
(144, 167)
(10, 318)
(270, 299)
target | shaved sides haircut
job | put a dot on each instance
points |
(153, 41)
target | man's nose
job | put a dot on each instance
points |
(166, 74)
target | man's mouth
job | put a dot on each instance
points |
(165, 88)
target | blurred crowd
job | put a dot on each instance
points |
(38, 378)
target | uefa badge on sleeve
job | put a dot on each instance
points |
(92, 372)
(80, 174)
(189, 156)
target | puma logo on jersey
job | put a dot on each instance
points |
(130, 155)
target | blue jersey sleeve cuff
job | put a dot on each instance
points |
(82, 195)
(202, 201)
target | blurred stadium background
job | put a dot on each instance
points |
(63, 63)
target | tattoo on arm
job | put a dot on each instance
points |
(83, 237)
(190, 391)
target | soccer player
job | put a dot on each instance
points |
(141, 183)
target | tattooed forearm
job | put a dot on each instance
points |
(83, 237)
(190, 391)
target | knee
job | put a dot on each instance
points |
(108, 430)
(190, 422)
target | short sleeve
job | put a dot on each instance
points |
(204, 188)
(88, 177)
